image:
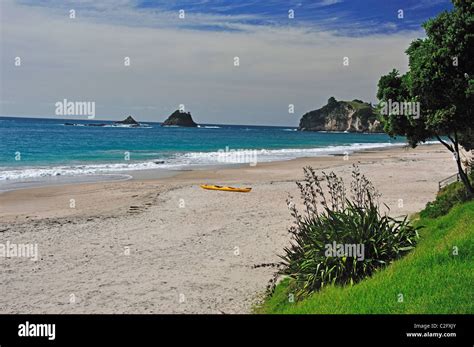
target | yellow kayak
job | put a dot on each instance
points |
(226, 189)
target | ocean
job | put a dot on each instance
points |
(35, 148)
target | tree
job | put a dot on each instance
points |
(440, 80)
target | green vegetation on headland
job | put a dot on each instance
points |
(436, 277)
(350, 116)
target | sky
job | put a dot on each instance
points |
(191, 60)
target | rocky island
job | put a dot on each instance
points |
(178, 118)
(347, 116)
(128, 121)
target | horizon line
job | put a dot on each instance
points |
(157, 122)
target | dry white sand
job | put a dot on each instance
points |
(167, 246)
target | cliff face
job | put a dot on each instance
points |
(178, 118)
(350, 116)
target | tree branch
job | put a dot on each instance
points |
(450, 148)
(456, 142)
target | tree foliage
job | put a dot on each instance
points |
(441, 79)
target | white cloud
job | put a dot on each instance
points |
(83, 60)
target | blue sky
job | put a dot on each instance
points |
(190, 61)
(344, 17)
(347, 17)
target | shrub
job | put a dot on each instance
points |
(451, 195)
(330, 217)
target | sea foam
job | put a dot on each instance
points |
(183, 160)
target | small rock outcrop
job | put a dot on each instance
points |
(128, 121)
(182, 119)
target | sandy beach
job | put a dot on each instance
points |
(168, 246)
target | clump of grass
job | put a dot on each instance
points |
(448, 197)
(330, 217)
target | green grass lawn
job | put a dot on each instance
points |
(431, 278)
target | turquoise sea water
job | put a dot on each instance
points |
(33, 147)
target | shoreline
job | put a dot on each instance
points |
(155, 173)
(140, 246)
(180, 161)
(205, 175)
